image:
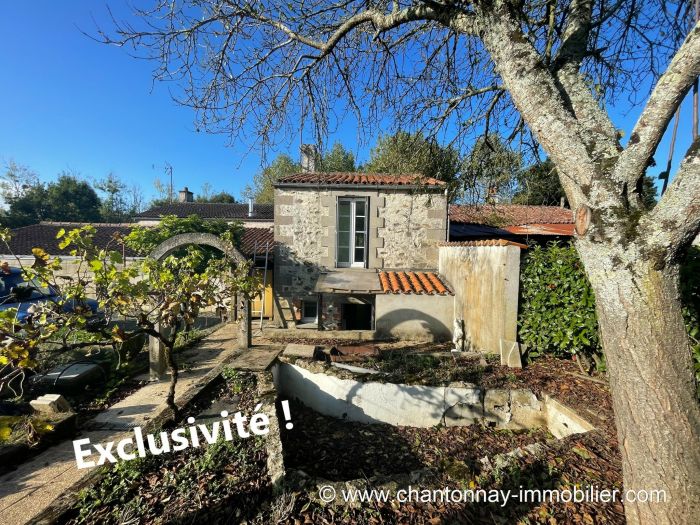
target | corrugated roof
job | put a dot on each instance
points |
(211, 210)
(368, 179)
(43, 235)
(486, 242)
(428, 283)
(502, 215)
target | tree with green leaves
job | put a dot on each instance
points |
(491, 171)
(337, 159)
(262, 189)
(160, 298)
(68, 199)
(405, 152)
(539, 185)
(119, 202)
(220, 197)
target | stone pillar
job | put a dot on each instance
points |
(245, 335)
(156, 355)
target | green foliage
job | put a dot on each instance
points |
(557, 308)
(119, 203)
(68, 199)
(168, 293)
(262, 190)
(491, 170)
(690, 297)
(539, 184)
(144, 239)
(221, 197)
(337, 159)
(406, 152)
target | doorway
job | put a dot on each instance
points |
(357, 316)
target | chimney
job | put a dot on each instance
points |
(308, 158)
(185, 195)
(251, 212)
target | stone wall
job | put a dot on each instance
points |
(485, 280)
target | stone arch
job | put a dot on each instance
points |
(157, 360)
(206, 239)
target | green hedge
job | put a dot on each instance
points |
(557, 306)
(690, 295)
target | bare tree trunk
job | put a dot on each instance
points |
(651, 377)
(174, 372)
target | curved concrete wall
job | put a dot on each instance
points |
(423, 406)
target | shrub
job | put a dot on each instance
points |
(690, 295)
(557, 308)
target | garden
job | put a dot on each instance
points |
(472, 423)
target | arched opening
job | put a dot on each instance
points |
(158, 365)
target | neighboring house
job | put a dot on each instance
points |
(515, 222)
(359, 251)
(253, 215)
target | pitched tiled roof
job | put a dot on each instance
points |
(43, 235)
(486, 242)
(428, 283)
(251, 236)
(210, 210)
(367, 179)
(502, 215)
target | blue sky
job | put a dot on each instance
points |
(69, 103)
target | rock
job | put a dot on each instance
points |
(526, 410)
(463, 405)
(50, 404)
(300, 350)
(497, 406)
(510, 354)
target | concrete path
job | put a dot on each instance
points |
(29, 490)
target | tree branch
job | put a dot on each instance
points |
(602, 135)
(675, 220)
(663, 102)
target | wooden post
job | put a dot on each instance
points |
(245, 339)
(156, 355)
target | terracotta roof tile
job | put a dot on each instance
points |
(428, 283)
(368, 179)
(43, 235)
(503, 215)
(261, 236)
(485, 242)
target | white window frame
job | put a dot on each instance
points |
(353, 215)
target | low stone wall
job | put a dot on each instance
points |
(424, 406)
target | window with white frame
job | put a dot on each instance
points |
(351, 232)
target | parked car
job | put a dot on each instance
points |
(15, 292)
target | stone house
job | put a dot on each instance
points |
(357, 251)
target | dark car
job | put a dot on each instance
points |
(15, 292)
